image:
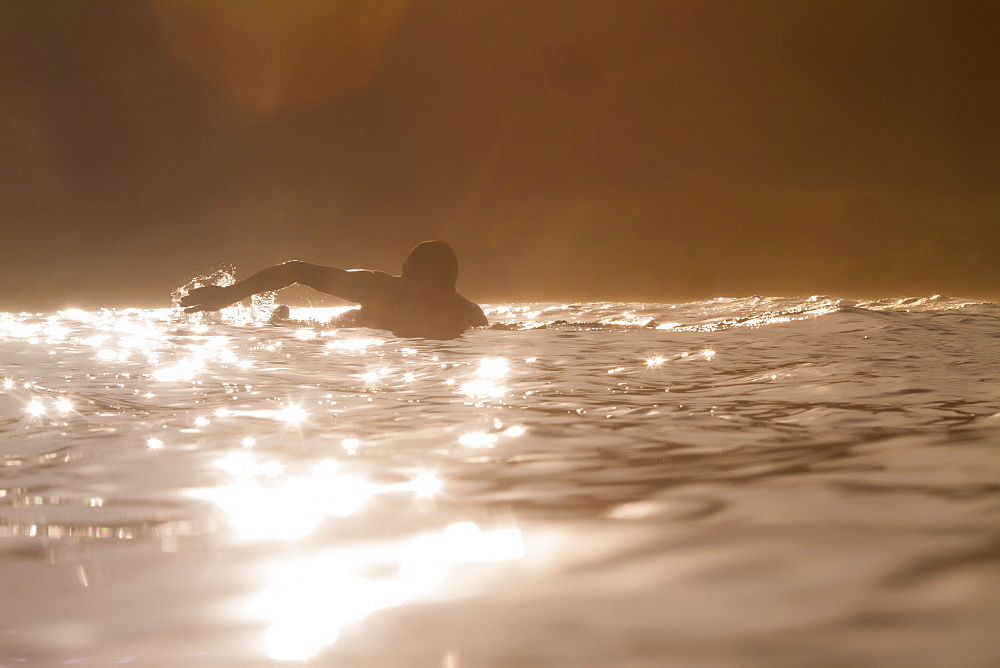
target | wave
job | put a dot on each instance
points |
(709, 315)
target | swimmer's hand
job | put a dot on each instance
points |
(208, 298)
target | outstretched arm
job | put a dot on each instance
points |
(356, 285)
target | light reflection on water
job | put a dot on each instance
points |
(766, 468)
(309, 601)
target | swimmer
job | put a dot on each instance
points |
(420, 302)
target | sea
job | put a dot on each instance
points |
(759, 481)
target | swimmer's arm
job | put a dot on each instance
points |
(356, 285)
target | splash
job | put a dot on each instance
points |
(258, 308)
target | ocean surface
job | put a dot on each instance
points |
(735, 482)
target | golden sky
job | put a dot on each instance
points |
(657, 150)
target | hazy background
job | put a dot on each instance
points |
(659, 150)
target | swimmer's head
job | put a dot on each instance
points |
(431, 265)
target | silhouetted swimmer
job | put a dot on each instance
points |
(421, 301)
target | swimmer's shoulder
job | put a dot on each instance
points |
(472, 312)
(374, 286)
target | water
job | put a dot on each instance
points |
(754, 482)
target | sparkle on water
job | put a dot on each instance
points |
(738, 480)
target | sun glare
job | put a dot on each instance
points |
(292, 414)
(426, 485)
(492, 368)
(477, 439)
(310, 600)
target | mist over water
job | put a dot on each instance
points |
(654, 150)
(756, 481)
